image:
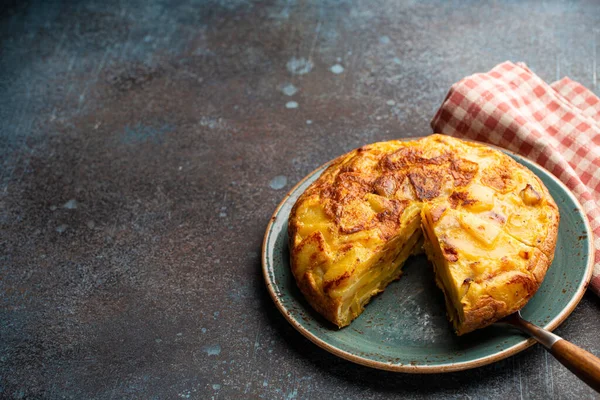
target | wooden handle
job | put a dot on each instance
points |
(583, 364)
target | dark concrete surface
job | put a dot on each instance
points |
(145, 144)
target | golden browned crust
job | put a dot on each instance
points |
(548, 244)
(485, 312)
(351, 216)
(499, 177)
(488, 310)
(323, 305)
(538, 267)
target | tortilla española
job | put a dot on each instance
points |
(488, 225)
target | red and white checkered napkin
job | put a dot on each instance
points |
(557, 126)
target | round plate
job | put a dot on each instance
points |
(405, 328)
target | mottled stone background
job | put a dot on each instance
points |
(144, 145)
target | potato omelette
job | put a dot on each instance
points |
(487, 224)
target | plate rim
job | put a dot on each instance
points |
(429, 369)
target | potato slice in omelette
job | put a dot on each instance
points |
(488, 225)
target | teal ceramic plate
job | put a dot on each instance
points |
(405, 328)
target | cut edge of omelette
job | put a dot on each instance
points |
(352, 230)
